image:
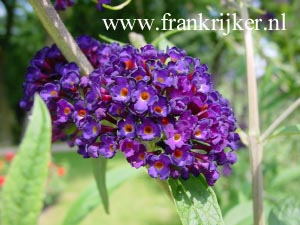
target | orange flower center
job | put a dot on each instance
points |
(198, 133)
(177, 137)
(67, 110)
(145, 96)
(82, 113)
(128, 128)
(142, 156)
(148, 130)
(158, 109)
(158, 165)
(124, 92)
(53, 93)
(129, 64)
(95, 129)
(160, 79)
(129, 145)
(178, 153)
(139, 77)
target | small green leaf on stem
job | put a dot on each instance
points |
(243, 135)
(160, 38)
(99, 169)
(137, 40)
(196, 203)
(286, 131)
(164, 44)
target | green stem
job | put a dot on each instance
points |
(117, 7)
(255, 147)
(156, 41)
(60, 35)
(109, 40)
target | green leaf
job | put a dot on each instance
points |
(286, 131)
(274, 220)
(285, 213)
(89, 198)
(99, 169)
(196, 203)
(285, 176)
(164, 44)
(23, 192)
(239, 213)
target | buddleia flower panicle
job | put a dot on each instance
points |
(158, 108)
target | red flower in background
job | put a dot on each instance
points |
(9, 156)
(1, 164)
(2, 181)
(60, 171)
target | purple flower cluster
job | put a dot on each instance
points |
(63, 4)
(158, 108)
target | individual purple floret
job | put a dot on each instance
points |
(108, 147)
(121, 91)
(129, 147)
(148, 130)
(64, 111)
(175, 138)
(158, 108)
(127, 127)
(90, 128)
(50, 91)
(70, 77)
(182, 156)
(162, 78)
(101, 2)
(143, 96)
(159, 166)
(63, 4)
(139, 157)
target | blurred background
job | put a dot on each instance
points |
(141, 200)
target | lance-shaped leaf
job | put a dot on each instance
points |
(196, 203)
(23, 192)
(286, 176)
(286, 131)
(99, 169)
(89, 199)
